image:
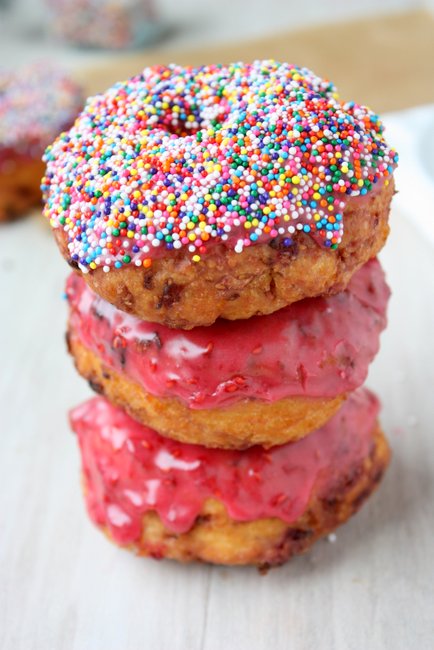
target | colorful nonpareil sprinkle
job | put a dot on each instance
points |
(37, 102)
(179, 158)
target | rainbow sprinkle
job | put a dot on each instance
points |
(180, 158)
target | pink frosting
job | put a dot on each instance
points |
(129, 469)
(320, 347)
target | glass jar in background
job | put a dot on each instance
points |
(108, 24)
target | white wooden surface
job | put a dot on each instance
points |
(64, 587)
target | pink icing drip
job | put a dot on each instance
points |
(319, 347)
(129, 469)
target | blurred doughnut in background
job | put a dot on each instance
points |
(108, 24)
(37, 102)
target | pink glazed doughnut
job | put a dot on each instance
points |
(168, 499)
(265, 381)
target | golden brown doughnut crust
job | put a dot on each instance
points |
(20, 189)
(260, 280)
(218, 539)
(246, 423)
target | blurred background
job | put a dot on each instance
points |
(354, 42)
(190, 22)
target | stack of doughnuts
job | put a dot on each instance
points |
(37, 102)
(226, 301)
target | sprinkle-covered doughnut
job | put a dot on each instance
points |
(259, 172)
(114, 24)
(183, 157)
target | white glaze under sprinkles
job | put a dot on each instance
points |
(180, 158)
(37, 101)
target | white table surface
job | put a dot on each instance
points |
(64, 587)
